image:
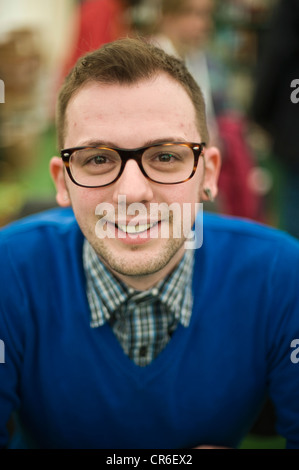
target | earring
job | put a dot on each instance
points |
(65, 197)
(208, 193)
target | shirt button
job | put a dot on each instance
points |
(155, 291)
(143, 351)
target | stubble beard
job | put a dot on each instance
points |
(140, 260)
(141, 263)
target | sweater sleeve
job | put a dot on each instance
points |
(12, 309)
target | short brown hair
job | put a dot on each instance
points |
(127, 61)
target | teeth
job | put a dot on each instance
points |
(135, 228)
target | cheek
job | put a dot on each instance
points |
(85, 200)
(188, 192)
(184, 197)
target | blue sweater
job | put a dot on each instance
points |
(72, 385)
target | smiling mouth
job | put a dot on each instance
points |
(135, 229)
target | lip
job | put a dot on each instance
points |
(133, 221)
(146, 236)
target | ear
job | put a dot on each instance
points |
(57, 173)
(212, 169)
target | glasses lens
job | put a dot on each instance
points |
(168, 163)
(95, 167)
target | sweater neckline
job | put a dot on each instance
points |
(127, 367)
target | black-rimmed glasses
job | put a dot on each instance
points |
(164, 163)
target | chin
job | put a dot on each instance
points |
(139, 262)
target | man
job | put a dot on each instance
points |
(117, 334)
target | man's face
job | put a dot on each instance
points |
(131, 116)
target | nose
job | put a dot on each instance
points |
(133, 184)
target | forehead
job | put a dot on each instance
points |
(156, 107)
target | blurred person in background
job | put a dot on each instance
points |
(97, 22)
(183, 29)
(275, 104)
(33, 35)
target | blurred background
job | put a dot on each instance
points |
(222, 41)
(234, 50)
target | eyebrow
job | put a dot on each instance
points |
(98, 143)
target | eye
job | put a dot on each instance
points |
(88, 158)
(97, 159)
(166, 157)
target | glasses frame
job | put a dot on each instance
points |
(132, 154)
